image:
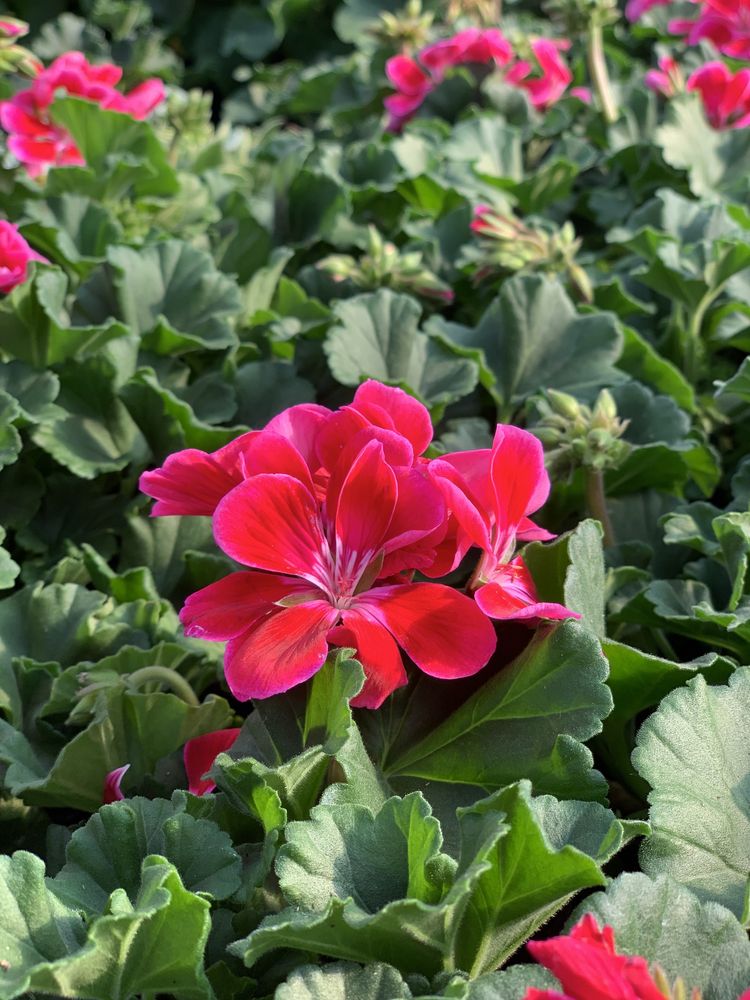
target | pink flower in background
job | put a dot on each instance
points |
(412, 86)
(470, 46)
(725, 95)
(13, 29)
(635, 9)
(590, 968)
(547, 82)
(112, 791)
(667, 79)
(35, 140)
(315, 561)
(15, 254)
(199, 755)
(490, 494)
(724, 23)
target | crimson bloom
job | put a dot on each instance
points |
(589, 967)
(490, 493)
(635, 9)
(724, 23)
(199, 754)
(412, 86)
(316, 557)
(725, 95)
(470, 46)
(15, 254)
(36, 141)
(552, 76)
(112, 791)
(667, 79)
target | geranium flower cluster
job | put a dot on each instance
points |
(15, 255)
(36, 141)
(332, 513)
(725, 94)
(415, 78)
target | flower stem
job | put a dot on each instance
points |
(164, 675)
(596, 502)
(599, 73)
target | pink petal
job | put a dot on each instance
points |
(444, 632)
(301, 425)
(376, 651)
(191, 482)
(519, 479)
(474, 522)
(227, 608)
(395, 409)
(199, 755)
(270, 452)
(365, 505)
(511, 594)
(283, 651)
(419, 513)
(112, 791)
(530, 532)
(142, 100)
(271, 522)
(406, 75)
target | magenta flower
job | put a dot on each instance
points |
(667, 79)
(15, 254)
(112, 791)
(590, 968)
(412, 86)
(315, 561)
(547, 82)
(725, 95)
(34, 138)
(470, 46)
(724, 23)
(199, 754)
(490, 494)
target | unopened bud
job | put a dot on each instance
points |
(564, 404)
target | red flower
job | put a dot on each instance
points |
(725, 95)
(412, 85)
(15, 254)
(635, 9)
(490, 494)
(553, 77)
(470, 46)
(199, 755)
(315, 555)
(725, 23)
(112, 791)
(667, 79)
(589, 968)
(35, 140)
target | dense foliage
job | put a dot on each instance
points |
(360, 711)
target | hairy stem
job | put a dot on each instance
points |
(164, 675)
(596, 502)
(600, 74)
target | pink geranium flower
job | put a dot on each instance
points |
(315, 559)
(725, 23)
(15, 254)
(470, 46)
(490, 493)
(725, 95)
(667, 79)
(199, 755)
(412, 86)
(590, 968)
(112, 792)
(547, 82)
(36, 141)
(635, 9)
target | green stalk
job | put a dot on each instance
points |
(596, 502)
(164, 675)
(599, 73)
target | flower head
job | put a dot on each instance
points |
(15, 254)
(36, 140)
(199, 754)
(635, 9)
(111, 791)
(725, 95)
(724, 23)
(667, 79)
(546, 82)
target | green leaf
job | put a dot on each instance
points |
(531, 337)
(570, 571)
(528, 720)
(732, 531)
(72, 228)
(9, 569)
(376, 336)
(695, 753)
(702, 943)
(344, 981)
(315, 205)
(89, 430)
(490, 145)
(265, 388)
(107, 853)
(644, 362)
(524, 881)
(169, 293)
(154, 945)
(10, 439)
(120, 152)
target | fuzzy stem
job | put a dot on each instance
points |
(599, 73)
(164, 675)
(596, 501)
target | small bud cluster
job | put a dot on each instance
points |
(407, 29)
(576, 435)
(578, 15)
(15, 58)
(509, 244)
(385, 265)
